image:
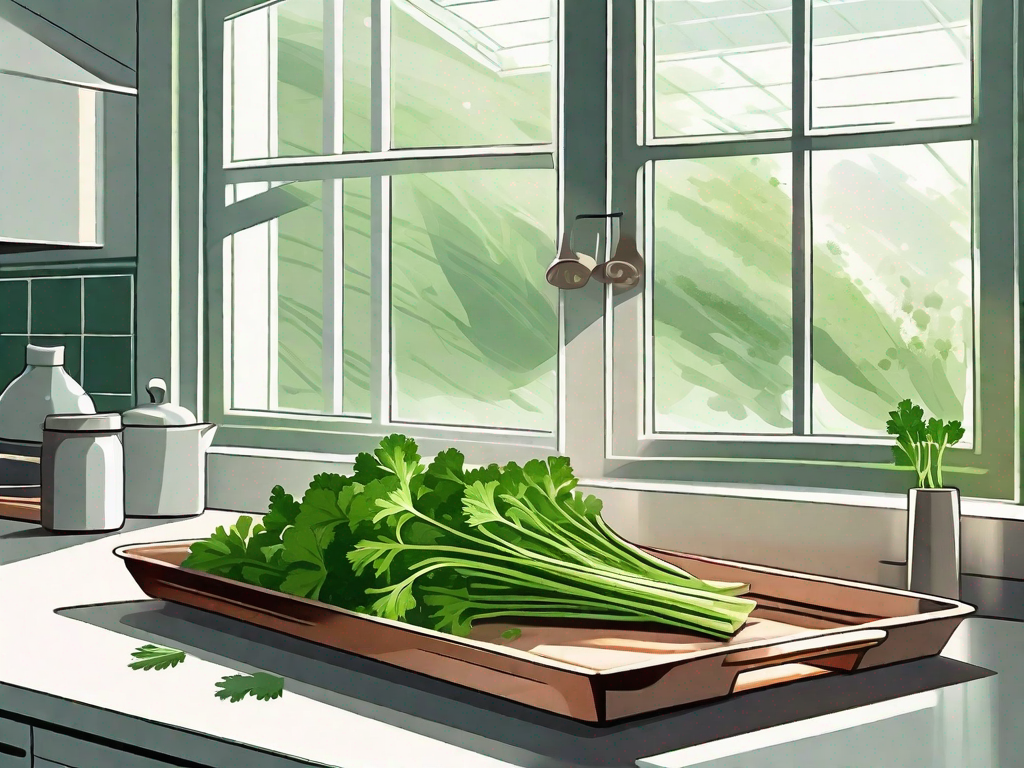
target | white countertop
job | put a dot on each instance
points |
(71, 669)
(47, 653)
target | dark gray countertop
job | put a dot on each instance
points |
(20, 541)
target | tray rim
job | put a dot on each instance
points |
(954, 609)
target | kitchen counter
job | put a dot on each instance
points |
(970, 725)
(20, 540)
(73, 616)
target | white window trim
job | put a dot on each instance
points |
(588, 382)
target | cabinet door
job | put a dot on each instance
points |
(39, 762)
(15, 744)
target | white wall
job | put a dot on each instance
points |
(107, 25)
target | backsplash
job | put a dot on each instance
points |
(92, 317)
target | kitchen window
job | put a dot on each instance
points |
(390, 207)
(828, 228)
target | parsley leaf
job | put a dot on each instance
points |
(443, 547)
(156, 657)
(262, 685)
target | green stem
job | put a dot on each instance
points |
(567, 538)
(547, 532)
(928, 465)
(539, 562)
(693, 612)
(662, 566)
(910, 449)
(562, 615)
(700, 618)
(938, 461)
(593, 566)
(596, 540)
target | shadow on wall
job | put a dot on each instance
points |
(866, 544)
(993, 570)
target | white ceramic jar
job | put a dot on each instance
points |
(82, 472)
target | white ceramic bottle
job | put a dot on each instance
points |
(44, 387)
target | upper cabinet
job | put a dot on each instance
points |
(51, 135)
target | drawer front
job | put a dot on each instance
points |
(15, 744)
(65, 751)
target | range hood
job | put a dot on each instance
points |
(52, 89)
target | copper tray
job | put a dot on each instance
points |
(804, 626)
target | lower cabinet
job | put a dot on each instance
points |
(37, 746)
(51, 749)
(15, 744)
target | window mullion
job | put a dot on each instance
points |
(801, 271)
(582, 160)
(333, 211)
(273, 226)
(380, 216)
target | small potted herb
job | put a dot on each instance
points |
(933, 509)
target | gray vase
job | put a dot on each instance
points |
(933, 541)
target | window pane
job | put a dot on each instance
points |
(892, 285)
(884, 63)
(356, 296)
(471, 73)
(282, 97)
(290, 282)
(721, 67)
(722, 295)
(297, 241)
(474, 322)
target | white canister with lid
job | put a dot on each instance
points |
(82, 473)
(165, 458)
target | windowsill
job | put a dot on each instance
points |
(970, 507)
(287, 455)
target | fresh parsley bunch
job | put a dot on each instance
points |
(921, 444)
(443, 547)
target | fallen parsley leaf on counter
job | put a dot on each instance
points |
(156, 657)
(512, 634)
(261, 685)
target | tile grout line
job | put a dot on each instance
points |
(82, 334)
(74, 335)
(81, 337)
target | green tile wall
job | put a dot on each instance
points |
(90, 316)
(14, 306)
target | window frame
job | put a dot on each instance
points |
(343, 434)
(597, 398)
(631, 452)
